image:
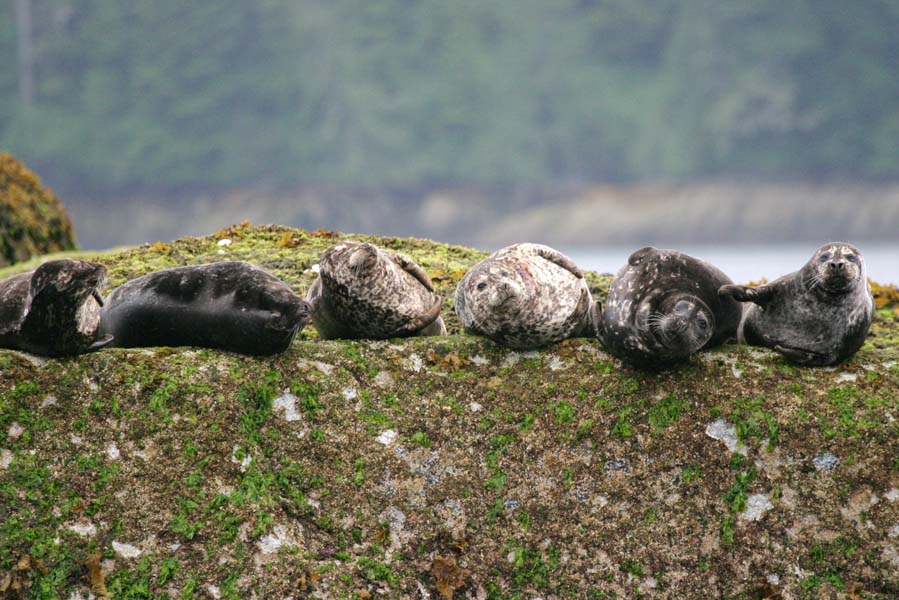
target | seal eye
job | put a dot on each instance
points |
(824, 257)
(504, 273)
(852, 258)
(481, 286)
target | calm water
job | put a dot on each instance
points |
(746, 263)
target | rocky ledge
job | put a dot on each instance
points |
(442, 467)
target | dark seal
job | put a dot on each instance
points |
(817, 316)
(664, 306)
(231, 306)
(366, 292)
(53, 310)
(526, 296)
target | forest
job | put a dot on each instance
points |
(168, 94)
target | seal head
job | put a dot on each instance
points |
(366, 292)
(682, 324)
(663, 307)
(817, 316)
(54, 310)
(231, 306)
(526, 296)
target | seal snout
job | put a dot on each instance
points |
(502, 293)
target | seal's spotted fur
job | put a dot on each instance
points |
(819, 315)
(53, 310)
(526, 296)
(228, 305)
(663, 306)
(366, 292)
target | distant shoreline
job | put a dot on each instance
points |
(660, 214)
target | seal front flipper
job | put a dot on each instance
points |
(101, 342)
(420, 322)
(581, 322)
(595, 317)
(556, 257)
(412, 269)
(743, 293)
(805, 357)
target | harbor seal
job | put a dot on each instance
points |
(817, 316)
(227, 305)
(366, 292)
(53, 310)
(664, 306)
(525, 296)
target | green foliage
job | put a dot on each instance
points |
(390, 93)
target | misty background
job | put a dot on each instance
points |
(597, 126)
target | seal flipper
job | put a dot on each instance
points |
(583, 312)
(556, 257)
(760, 295)
(420, 322)
(101, 342)
(805, 357)
(412, 269)
(314, 295)
(596, 319)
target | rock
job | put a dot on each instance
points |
(32, 220)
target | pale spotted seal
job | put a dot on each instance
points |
(366, 292)
(819, 315)
(228, 306)
(663, 306)
(53, 310)
(526, 296)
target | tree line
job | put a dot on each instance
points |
(398, 93)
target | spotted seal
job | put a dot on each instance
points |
(664, 306)
(366, 292)
(53, 310)
(526, 296)
(817, 316)
(231, 306)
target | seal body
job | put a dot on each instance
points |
(664, 306)
(817, 316)
(53, 310)
(526, 296)
(366, 292)
(228, 306)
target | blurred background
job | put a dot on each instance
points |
(745, 132)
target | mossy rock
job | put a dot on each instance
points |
(450, 465)
(32, 220)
